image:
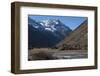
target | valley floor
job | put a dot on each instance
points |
(52, 54)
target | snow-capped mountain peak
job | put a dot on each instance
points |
(53, 25)
(46, 33)
(49, 24)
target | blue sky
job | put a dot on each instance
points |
(70, 21)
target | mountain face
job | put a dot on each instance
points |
(77, 40)
(46, 33)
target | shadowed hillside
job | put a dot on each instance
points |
(46, 33)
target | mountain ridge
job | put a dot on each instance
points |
(77, 40)
(50, 38)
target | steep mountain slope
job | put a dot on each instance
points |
(46, 33)
(77, 40)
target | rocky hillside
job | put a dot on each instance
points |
(77, 40)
